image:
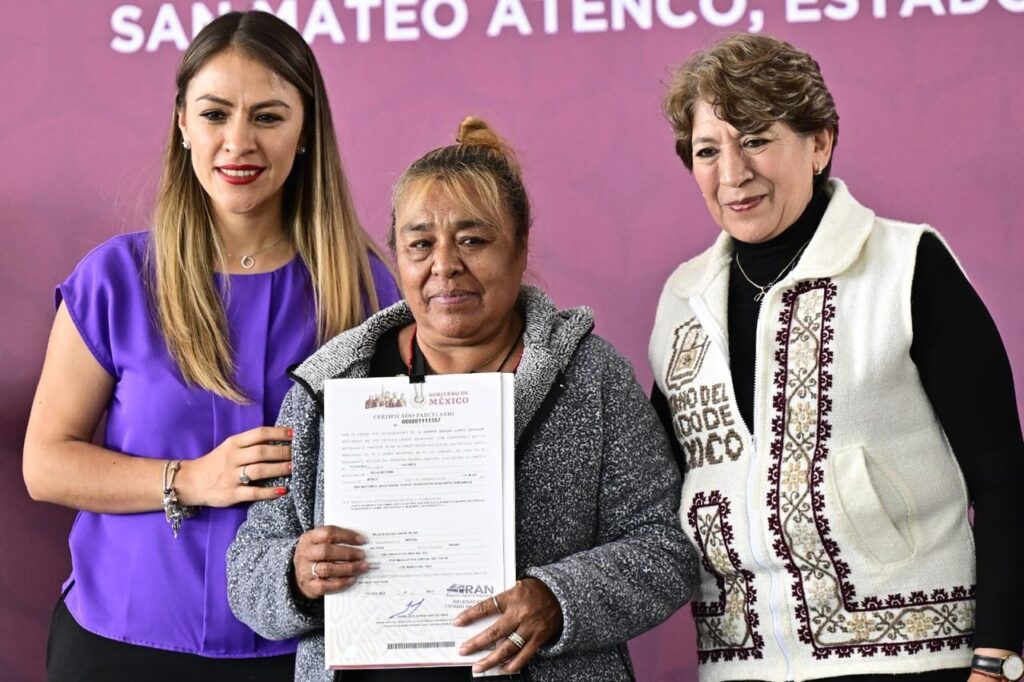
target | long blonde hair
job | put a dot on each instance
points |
(319, 216)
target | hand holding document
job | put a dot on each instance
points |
(425, 473)
(328, 559)
(532, 612)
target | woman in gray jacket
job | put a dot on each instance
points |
(600, 553)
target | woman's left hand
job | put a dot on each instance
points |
(529, 610)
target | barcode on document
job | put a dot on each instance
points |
(420, 645)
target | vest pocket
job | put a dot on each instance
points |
(873, 506)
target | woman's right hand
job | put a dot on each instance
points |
(326, 561)
(216, 478)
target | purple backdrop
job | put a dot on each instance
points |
(929, 92)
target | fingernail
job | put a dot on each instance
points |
(280, 491)
(291, 433)
(360, 539)
(289, 466)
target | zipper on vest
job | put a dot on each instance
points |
(773, 587)
(707, 320)
(758, 427)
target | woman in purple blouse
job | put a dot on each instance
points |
(181, 337)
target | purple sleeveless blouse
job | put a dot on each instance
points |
(131, 580)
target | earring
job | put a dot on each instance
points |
(185, 144)
(302, 149)
(817, 170)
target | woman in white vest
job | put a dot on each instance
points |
(833, 418)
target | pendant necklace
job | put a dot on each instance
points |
(762, 290)
(249, 262)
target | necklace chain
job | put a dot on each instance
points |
(249, 262)
(508, 355)
(763, 290)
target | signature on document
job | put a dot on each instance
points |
(409, 609)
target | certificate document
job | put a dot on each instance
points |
(425, 472)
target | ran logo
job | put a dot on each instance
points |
(456, 588)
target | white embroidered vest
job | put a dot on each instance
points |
(835, 538)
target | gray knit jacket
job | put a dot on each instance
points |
(596, 498)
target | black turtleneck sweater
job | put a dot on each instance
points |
(763, 263)
(965, 373)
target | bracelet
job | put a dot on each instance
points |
(174, 512)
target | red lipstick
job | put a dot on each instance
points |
(239, 174)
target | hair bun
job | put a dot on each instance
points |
(475, 132)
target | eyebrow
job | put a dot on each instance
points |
(259, 105)
(467, 224)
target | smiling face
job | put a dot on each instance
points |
(459, 272)
(755, 185)
(244, 125)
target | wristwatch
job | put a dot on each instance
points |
(1009, 666)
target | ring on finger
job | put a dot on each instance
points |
(312, 570)
(243, 477)
(497, 608)
(516, 639)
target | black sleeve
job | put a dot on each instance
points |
(664, 412)
(966, 375)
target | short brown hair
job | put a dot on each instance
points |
(480, 172)
(751, 82)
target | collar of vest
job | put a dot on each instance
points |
(834, 247)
